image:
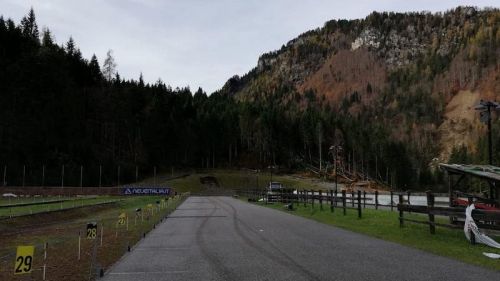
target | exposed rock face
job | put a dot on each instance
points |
(369, 37)
(397, 48)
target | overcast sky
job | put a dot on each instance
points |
(196, 42)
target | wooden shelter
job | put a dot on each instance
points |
(488, 173)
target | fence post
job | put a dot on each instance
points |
(344, 201)
(364, 199)
(24, 174)
(430, 205)
(352, 198)
(298, 198)
(304, 194)
(408, 192)
(376, 199)
(312, 198)
(400, 204)
(331, 201)
(335, 197)
(100, 175)
(359, 203)
(45, 259)
(392, 202)
(321, 200)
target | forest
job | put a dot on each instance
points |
(58, 109)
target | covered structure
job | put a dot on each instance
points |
(488, 173)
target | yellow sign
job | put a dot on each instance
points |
(121, 218)
(150, 206)
(24, 259)
(91, 230)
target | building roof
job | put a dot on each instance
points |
(487, 172)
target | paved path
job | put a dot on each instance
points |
(221, 238)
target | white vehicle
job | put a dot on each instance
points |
(274, 187)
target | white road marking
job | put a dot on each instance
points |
(149, 272)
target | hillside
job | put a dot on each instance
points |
(412, 77)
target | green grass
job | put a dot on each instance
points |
(22, 200)
(238, 179)
(24, 210)
(385, 225)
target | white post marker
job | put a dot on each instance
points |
(44, 259)
(79, 244)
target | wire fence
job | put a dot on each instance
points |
(73, 249)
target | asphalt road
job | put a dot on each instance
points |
(221, 238)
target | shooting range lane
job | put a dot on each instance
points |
(221, 238)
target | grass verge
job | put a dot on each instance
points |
(384, 224)
(239, 179)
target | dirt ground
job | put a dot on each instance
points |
(61, 232)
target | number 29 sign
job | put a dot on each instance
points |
(24, 259)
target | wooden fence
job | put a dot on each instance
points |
(355, 201)
(485, 219)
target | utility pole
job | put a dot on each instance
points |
(81, 176)
(319, 145)
(43, 175)
(335, 150)
(62, 176)
(136, 173)
(24, 174)
(484, 108)
(5, 175)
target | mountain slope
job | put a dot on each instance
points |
(404, 73)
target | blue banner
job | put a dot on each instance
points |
(147, 191)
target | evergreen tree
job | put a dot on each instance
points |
(70, 46)
(29, 26)
(95, 70)
(47, 40)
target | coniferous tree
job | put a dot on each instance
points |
(29, 26)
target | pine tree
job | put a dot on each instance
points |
(70, 46)
(95, 70)
(47, 40)
(141, 80)
(29, 26)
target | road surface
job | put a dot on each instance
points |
(221, 238)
